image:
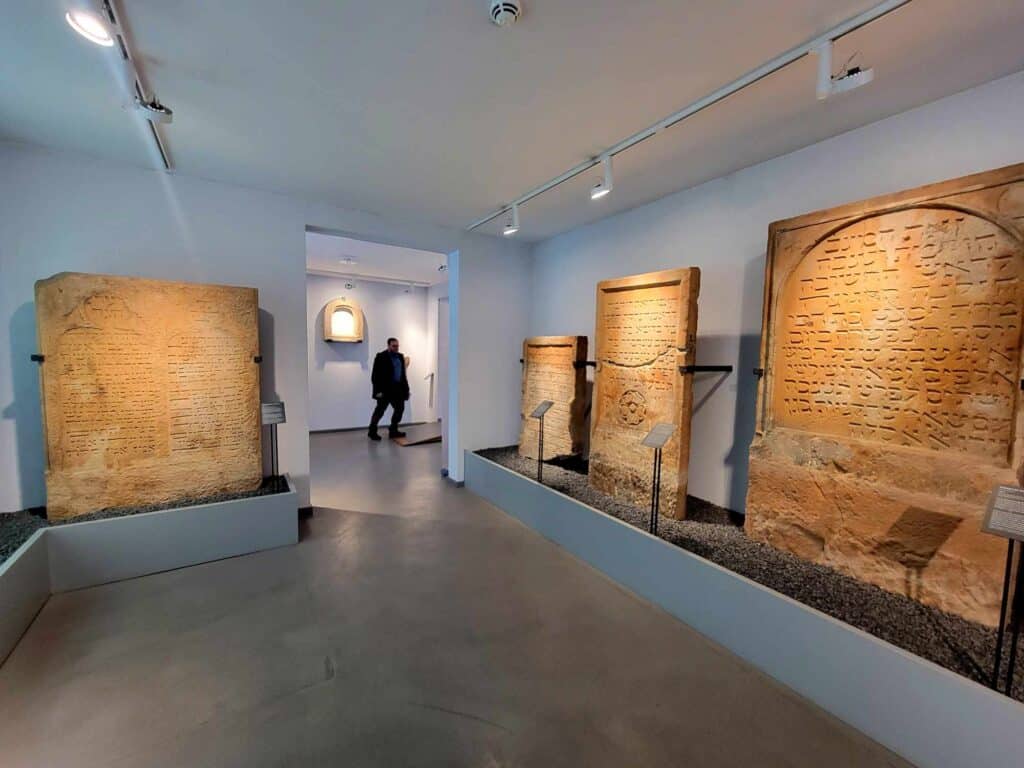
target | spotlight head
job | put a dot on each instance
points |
(604, 186)
(829, 84)
(90, 26)
(512, 225)
(154, 111)
(854, 77)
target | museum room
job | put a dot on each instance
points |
(512, 383)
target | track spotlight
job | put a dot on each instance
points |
(847, 80)
(604, 186)
(512, 226)
(90, 26)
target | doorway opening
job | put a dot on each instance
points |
(375, 306)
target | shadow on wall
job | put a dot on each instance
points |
(26, 411)
(746, 395)
(268, 381)
(340, 351)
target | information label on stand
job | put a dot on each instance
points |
(272, 413)
(658, 436)
(541, 409)
(1005, 515)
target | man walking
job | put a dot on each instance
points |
(390, 387)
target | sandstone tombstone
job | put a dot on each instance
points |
(550, 372)
(890, 402)
(150, 391)
(646, 330)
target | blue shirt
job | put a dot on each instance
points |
(397, 362)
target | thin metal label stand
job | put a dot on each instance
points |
(1005, 518)
(272, 414)
(538, 414)
(656, 439)
(1016, 609)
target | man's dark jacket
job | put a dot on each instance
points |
(383, 378)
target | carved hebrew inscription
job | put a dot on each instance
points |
(550, 372)
(904, 329)
(891, 400)
(150, 391)
(646, 329)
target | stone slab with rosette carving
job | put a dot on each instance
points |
(646, 330)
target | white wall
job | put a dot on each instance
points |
(434, 295)
(66, 211)
(339, 374)
(488, 324)
(722, 227)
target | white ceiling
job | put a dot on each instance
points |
(334, 254)
(429, 112)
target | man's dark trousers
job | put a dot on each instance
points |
(397, 402)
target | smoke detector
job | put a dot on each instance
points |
(505, 13)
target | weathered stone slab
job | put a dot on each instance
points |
(150, 391)
(646, 330)
(890, 403)
(550, 372)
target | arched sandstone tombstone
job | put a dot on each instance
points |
(890, 404)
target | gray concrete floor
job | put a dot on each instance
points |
(420, 626)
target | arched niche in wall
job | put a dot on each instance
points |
(343, 321)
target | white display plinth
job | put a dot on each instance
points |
(926, 714)
(24, 587)
(77, 555)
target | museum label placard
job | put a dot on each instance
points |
(1005, 514)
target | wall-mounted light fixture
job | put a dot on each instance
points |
(343, 321)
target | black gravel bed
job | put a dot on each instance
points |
(716, 534)
(15, 529)
(266, 489)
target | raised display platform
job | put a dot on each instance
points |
(77, 555)
(919, 710)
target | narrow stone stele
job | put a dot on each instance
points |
(646, 331)
(553, 369)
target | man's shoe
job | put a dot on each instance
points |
(395, 434)
(373, 436)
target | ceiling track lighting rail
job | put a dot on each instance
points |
(781, 61)
(99, 21)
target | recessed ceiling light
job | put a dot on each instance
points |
(89, 27)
